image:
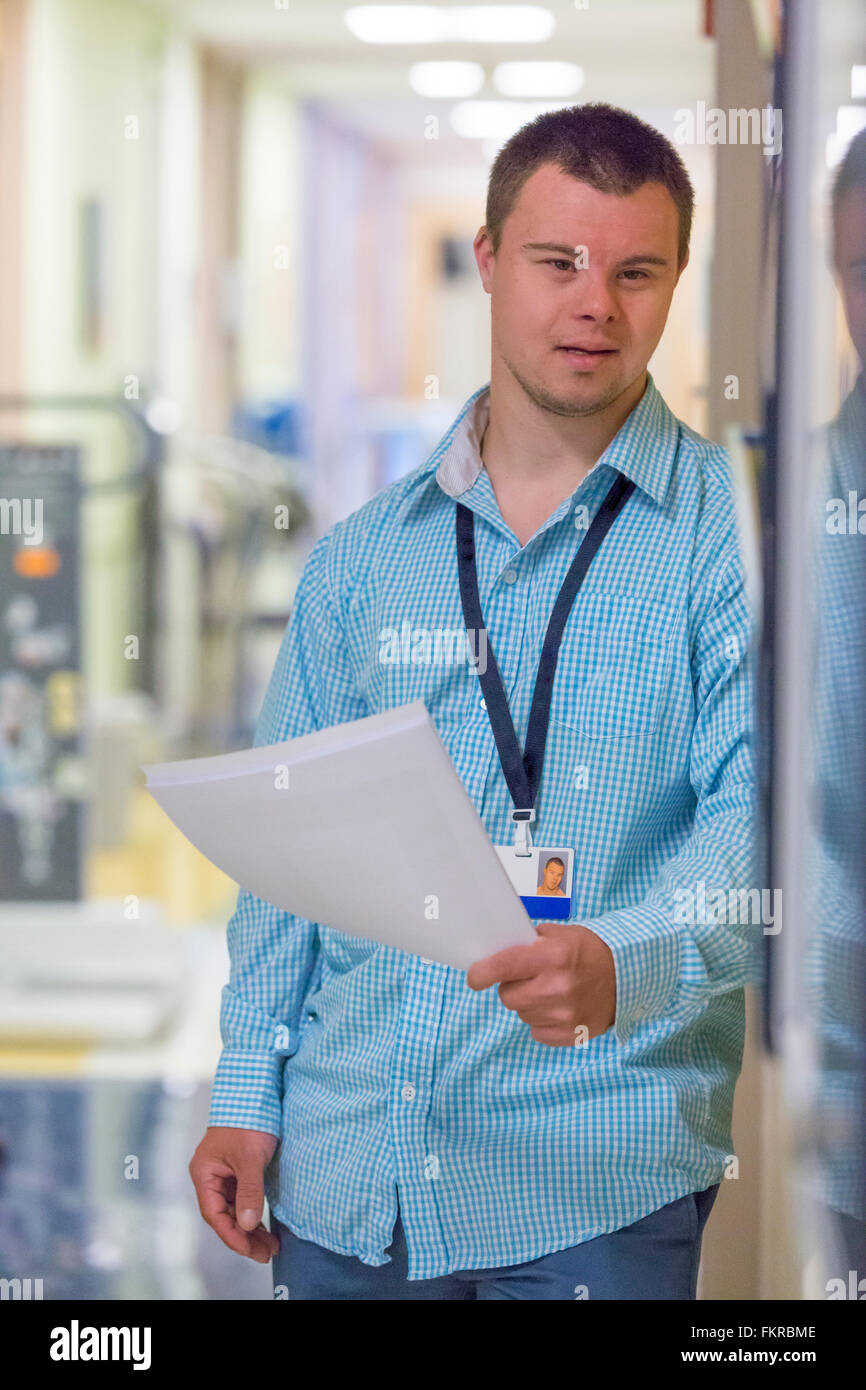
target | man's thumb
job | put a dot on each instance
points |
(249, 1200)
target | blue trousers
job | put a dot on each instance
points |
(655, 1258)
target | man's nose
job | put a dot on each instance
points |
(592, 296)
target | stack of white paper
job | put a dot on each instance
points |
(364, 827)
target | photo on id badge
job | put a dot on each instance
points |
(542, 878)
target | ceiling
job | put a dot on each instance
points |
(311, 38)
(308, 47)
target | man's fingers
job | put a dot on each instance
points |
(215, 1208)
(259, 1244)
(265, 1245)
(514, 963)
(218, 1178)
(249, 1197)
(223, 1222)
(211, 1185)
(220, 1214)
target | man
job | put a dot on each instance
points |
(551, 879)
(835, 957)
(563, 1134)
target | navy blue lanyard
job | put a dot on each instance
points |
(523, 770)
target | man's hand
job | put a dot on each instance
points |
(227, 1170)
(563, 985)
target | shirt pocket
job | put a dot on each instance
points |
(614, 666)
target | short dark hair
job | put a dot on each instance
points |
(554, 859)
(604, 146)
(851, 172)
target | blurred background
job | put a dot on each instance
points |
(238, 298)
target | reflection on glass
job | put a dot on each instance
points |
(835, 962)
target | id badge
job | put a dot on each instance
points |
(542, 878)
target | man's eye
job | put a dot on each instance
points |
(567, 265)
(641, 273)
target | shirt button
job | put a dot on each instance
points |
(425, 960)
(408, 1092)
(509, 576)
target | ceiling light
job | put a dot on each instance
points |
(538, 79)
(850, 120)
(446, 79)
(858, 81)
(450, 23)
(500, 23)
(496, 120)
(396, 23)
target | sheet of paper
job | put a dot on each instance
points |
(365, 827)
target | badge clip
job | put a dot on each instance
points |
(522, 833)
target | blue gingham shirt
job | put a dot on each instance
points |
(383, 1072)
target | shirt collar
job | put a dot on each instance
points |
(644, 447)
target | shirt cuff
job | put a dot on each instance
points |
(645, 945)
(248, 1091)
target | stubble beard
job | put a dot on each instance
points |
(546, 400)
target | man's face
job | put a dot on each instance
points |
(542, 306)
(850, 257)
(552, 876)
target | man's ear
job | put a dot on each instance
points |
(484, 257)
(682, 267)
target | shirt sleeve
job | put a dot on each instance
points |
(274, 955)
(683, 944)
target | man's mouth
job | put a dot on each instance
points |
(587, 351)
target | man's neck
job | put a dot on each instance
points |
(535, 458)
